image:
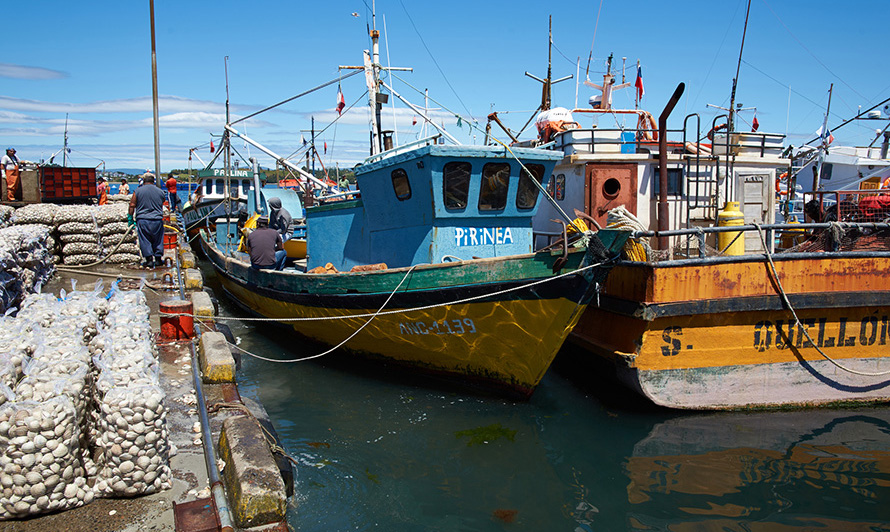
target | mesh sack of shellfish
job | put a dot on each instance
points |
(106, 214)
(5, 214)
(36, 213)
(16, 346)
(40, 468)
(75, 213)
(118, 198)
(133, 447)
(25, 247)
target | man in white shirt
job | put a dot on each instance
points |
(10, 165)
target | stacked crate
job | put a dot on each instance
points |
(67, 183)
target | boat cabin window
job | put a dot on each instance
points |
(456, 184)
(826, 171)
(495, 182)
(527, 195)
(220, 187)
(400, 184)
(675, 182)
(208, 186)
(556, 187)
(245, 186)
(233, 189)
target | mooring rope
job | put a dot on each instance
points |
(401, 311)
(271, 441)
(797, 322)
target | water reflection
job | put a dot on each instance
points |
(382, 449)
(801, 470)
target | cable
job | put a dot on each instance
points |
(797, 323)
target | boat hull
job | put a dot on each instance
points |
(715, 334)
(488, 321)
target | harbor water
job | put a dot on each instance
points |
(382, 449)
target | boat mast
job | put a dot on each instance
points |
(65, 144)
(730, 122)
(823, 146)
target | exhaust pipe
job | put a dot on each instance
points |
(662, 164)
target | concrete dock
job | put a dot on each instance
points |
(255, 491)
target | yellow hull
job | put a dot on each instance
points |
(511, 342)
(731, 344)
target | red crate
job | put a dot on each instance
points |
(68, 183)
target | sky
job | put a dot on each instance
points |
(88, 65)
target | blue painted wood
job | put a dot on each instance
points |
(418, 228)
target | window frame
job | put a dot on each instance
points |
(466, 186)
(676, 182)
(495, 193)
(400, 174)
(530, 187)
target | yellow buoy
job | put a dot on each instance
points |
(731, 242)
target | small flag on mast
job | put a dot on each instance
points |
(755, 124)
(639, 83)
(341, 102)
(212, 149)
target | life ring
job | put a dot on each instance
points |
(647, 127)
(886, 183)
(715, 129)
(779, 190)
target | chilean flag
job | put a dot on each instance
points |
(341, 102)
(639, 83)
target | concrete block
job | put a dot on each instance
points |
(186, 259)
(217, 364)
(203, 305)
(253, 485)
(194, 280)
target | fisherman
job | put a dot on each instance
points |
(265, 247)
(343, 183)
(173, 198)
(10, 165)
(125, 188)
(280, 219)
(147, 206)
(102, 190)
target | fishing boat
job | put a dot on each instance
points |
(429, 263)
(714, 305)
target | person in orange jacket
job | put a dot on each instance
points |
(10, 165)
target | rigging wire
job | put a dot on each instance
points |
(292, 98)
(716, 55)
(802, 45)
(595, 26)
(470, 113)
(300, 150)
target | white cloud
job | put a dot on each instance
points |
(167, 104)
(28, 72)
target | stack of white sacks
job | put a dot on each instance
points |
(81, 411)
(26, 261)
(84, 234)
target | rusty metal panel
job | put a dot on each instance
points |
(608, 186)
(199, 515)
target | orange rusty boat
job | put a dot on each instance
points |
(723, 308)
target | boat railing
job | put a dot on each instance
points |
(434, 139)
(781, 238)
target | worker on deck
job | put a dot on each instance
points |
(265, 247)
(125, 187)
(173, 199)
(102, 190)
(10, 165)
(280, 219)
(147, 206)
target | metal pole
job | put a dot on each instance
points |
(256, 184)
(154, 93)
(663, 211)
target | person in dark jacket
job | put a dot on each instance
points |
(280, 219)
(147, 214)
(265, 247)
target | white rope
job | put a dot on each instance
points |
(401, 311)
(797, 323)
(341, 344)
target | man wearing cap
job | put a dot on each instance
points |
(147, 206)
(10, 165)
(265, 247)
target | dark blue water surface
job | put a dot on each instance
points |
(381, 449)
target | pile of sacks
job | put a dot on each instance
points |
(5, 214)
(26, 261)
(82, 414)
(84, 234)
